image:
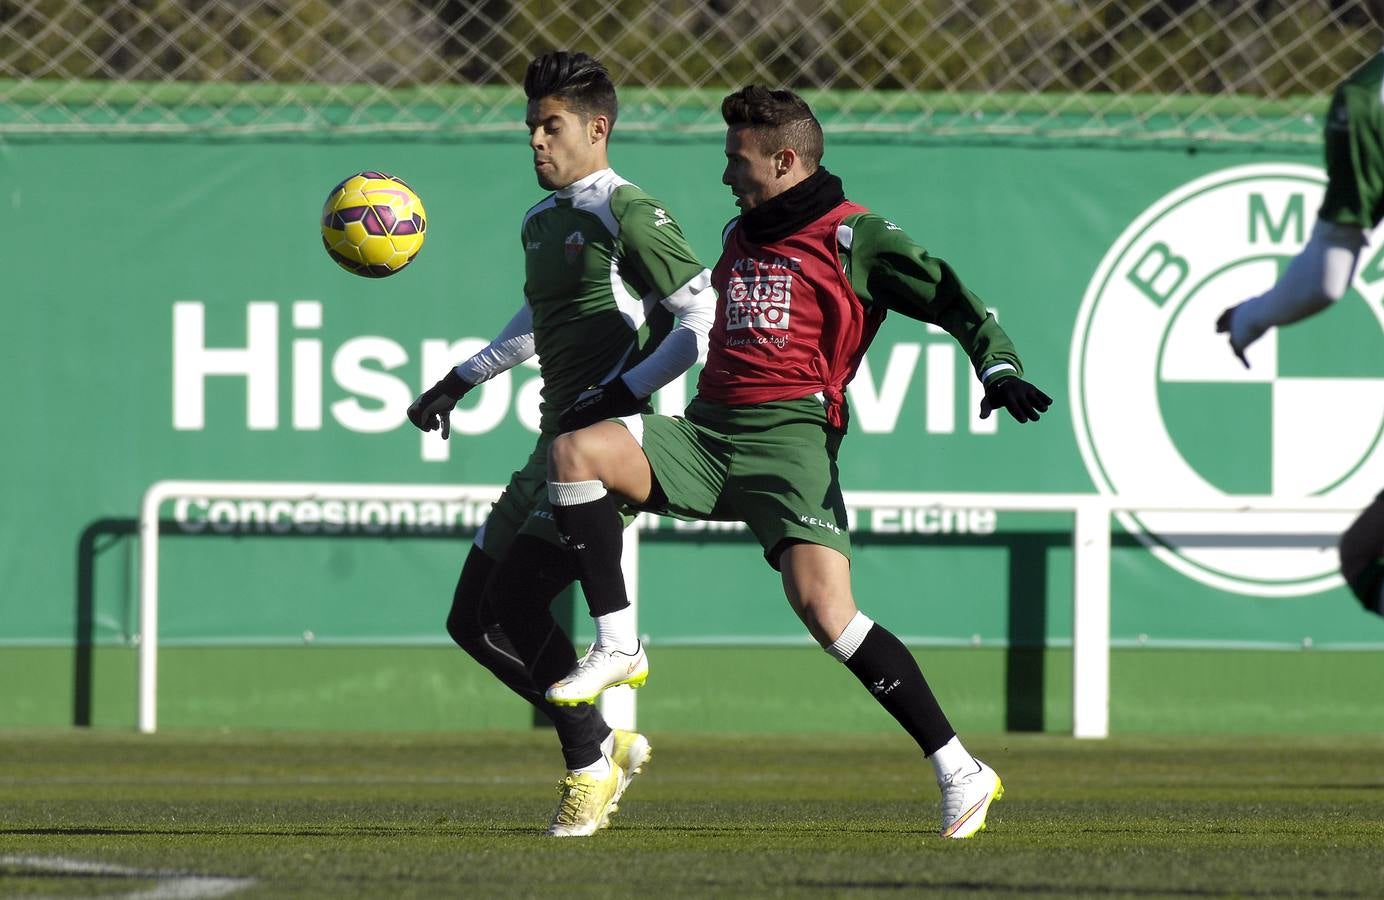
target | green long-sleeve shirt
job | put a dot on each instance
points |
(885, 266)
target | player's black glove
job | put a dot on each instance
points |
(1224, 326)
(604, 401)
(1023, 400)
(434, 406)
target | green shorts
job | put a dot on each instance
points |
(771, 466)
(524, 508)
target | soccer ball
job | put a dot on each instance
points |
(373, 224)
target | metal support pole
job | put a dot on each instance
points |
(1091, 621)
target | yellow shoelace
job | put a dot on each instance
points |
(574, 793)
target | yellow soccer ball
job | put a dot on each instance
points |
(373, 224)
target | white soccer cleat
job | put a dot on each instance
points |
(966, 799)
(597, 670)
(587, 803)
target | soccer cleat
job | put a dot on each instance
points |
(587, 803)
(597, 670)
(966, 799)
(631, 751)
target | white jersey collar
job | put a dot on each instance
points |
(583, 184)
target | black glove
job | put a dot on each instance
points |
(1224, 326)
(434, 406)
(1023, 400)
(604, 401)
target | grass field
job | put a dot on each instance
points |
(428, 815)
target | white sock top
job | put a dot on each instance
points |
(570, 493)
(600, 768)
(844, 647)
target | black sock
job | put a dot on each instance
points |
(886, 668)
(474, 624)
(594, 535)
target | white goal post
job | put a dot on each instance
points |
(1090, 546)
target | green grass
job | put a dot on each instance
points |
(427, 815)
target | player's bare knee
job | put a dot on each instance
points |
(809, 619)
(570, 458)
(823, 614)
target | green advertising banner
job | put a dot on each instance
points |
(171, 314)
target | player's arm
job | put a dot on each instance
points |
(511, 346)
(660, 259)
(1321, 274)
(1315, 279)
(887, 267)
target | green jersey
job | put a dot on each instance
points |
(1354, 135)
(606, 268)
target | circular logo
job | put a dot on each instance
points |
(1163, 408)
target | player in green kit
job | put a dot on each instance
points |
(1321, 274)
(606, 272)
(804, 281)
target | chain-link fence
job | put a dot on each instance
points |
(1184, 70)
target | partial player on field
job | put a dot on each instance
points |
(1321, 274)
(606, 272)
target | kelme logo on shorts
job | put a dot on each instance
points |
(1162, 408)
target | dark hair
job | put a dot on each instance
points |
(576, 79)
(781, 118)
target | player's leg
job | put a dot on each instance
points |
(517, 602)
(817, 582)
(1362, 556)
(519, 543)
(785, 476)
(475, 625)
(476, 630)
(521, 592)
(587, 469)
(472, 622)
(601, 762)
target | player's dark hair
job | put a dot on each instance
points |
(576, 79)
(781, 118)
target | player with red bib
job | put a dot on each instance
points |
(805, 279)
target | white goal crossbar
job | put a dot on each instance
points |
(1090, 545)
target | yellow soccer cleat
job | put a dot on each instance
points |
(597, 670)
(631, 751)
(587, 803)
(966, 799)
